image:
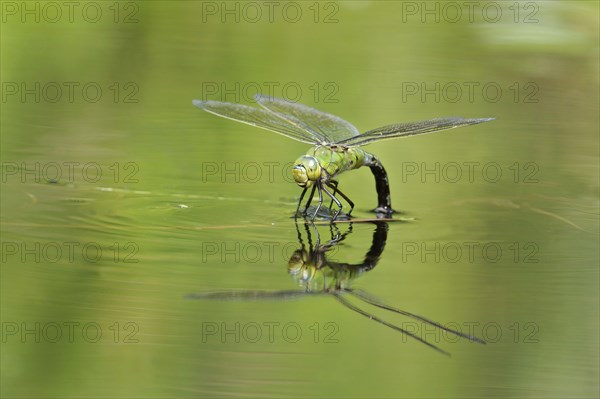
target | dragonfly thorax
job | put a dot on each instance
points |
(306, 171)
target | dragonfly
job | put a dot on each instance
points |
(336, 145)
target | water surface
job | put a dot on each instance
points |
(156, 200)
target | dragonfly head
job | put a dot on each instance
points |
(306, 171)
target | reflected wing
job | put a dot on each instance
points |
(387, 324)
(331, 128)
(251, 295)
(258, 117)
(376, 302)
(411, 129)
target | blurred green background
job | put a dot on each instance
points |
(103, 153)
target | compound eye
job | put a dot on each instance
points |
(300, 175)
(313, 169)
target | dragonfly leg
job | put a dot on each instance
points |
(337, 202)
(316, 232)
(312, 193)
(334, 238)
(318, 185)
(300, 202)
(332, 184)
(344, 196)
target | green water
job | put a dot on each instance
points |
(118, 203)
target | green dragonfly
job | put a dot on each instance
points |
(336, 145)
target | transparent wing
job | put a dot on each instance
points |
(411, 129)
(258, 117)
(330, 127)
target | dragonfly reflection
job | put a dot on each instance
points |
(318, 275)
